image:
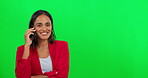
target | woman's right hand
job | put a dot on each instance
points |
(28, 41)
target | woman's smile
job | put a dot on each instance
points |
(44, 33)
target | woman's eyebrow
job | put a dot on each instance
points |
(38, 23)
(47, 22)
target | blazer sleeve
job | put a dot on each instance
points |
(23, 66)
(62, 68)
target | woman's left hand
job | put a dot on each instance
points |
(39, 76)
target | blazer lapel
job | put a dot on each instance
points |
(36, 63)
(51, 47)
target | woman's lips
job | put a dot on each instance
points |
(44, 33)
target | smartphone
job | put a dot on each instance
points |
(33, 36)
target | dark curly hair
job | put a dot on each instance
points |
(32, 20)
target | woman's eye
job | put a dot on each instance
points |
(47, 25)
(39, 25)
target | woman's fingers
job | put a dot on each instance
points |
(30, 33)
(30, 30)
(39, 76)
(32, 77)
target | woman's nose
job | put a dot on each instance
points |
(44, 28)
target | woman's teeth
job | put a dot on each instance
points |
(44, 33)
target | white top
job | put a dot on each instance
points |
(46, 64)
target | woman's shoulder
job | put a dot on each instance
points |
(20, 47)
(60, 42)
(61, 46)
(57, 42)
(20, 50)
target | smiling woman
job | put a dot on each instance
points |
(42, 56)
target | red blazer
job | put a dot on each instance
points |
(59, 53)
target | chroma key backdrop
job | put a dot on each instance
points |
(107, 38)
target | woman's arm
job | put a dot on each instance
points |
(62, 67)
(23, 66)
(39, 76)
(28, 42)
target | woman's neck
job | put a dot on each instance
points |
(42, 43)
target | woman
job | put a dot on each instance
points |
(42, 56)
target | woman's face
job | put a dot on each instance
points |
(43, 27)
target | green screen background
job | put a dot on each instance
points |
(107, 38)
